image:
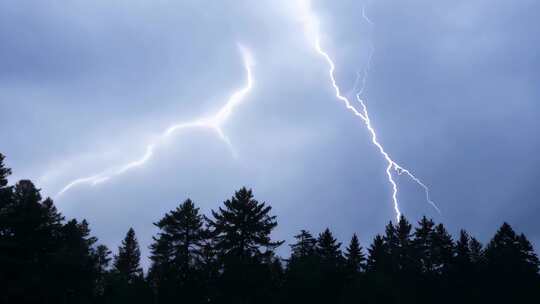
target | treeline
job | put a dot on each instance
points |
(229, 257)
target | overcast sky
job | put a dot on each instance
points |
(453, 92)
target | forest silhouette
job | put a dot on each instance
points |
(228, 256)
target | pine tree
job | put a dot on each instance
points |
(32, 242)
(127, 261)
(512, 266)
(177, 253)
(4, 172)
(328, 247)
(398, 244)
(305, 245)
(102, 256)
(241, 232)
(332, 266)
(183, 228)
(303, 274)
(355, 258)
(423, 243)
(442, 250)
(511, 254)
(476, 251)
(76, 262)
(379, 272)
(378, 258)
(528, 256)
(243, 227)
(5, 190)
(463, 252)
(47, 261)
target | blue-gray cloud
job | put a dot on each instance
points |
(452, 91)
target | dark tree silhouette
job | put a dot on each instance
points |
(512, 266)
(103, 262)
(230, 258)
(177, 255)
(423, 243)
(5, 190)
(303, 275)
(305, 245)
(332, 266)
(355, 258)
(127, 264)
(379, 271)
(241, 232)
(126, 282)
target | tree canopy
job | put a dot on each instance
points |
(230, 256)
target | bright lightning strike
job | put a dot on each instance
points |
(214, 122)
(311, 25)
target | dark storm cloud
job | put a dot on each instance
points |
(452, 91)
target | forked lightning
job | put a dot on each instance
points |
(214, 122)
(311, 24)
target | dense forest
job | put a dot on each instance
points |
(229, 256)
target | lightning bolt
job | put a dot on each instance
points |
(213, 122)
(311, 25)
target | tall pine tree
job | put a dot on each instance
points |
(355, 258)
(241, 232)
(177, 255)
(127, 261)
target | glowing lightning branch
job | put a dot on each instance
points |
(213, 122)
(311, 25)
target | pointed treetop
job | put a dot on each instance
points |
(127, 262)
(354, 256)
(4, 172)
(328, 246)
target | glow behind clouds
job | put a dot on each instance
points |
(213, 122)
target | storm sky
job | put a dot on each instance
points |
(453, 91)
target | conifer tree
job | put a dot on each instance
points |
(76, 262)
(511, 254)
(512, 266)
(355, 258)
(398, 244)
(305, 245)
(103, 259)
(378, 258)
(476, 251)
(328, 248)
(463, 252)
(442, 250)
(242, 228)
(332, 266)
(241, 232)
(5, 190)
(303, 274)
(177, 253)
(127, 261)
(423, 243)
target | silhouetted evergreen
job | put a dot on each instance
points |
(127, 264)
(126, 283)
(332, 265)
(103, 262)
(303, 275)
(178, 257)
(5, 190)
(355, 258)
(43, 259)
(511, 266)
(241, 232)
(230, 258)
